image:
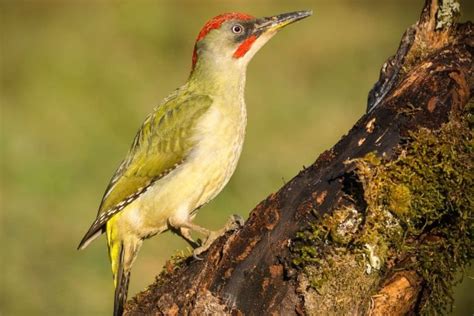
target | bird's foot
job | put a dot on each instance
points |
(234, 223)
(207, 243)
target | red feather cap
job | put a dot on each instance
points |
(216, 23)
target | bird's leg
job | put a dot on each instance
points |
(185, 233)
(235, 222)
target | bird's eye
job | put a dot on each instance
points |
(237, 29)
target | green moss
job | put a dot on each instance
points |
(343, 224)
(175, 262)
(372, 159)
(339, 229)
(419, 205)
(326, 295)
(429, 189)
(304, 245)
(399, 199)
(417, 52)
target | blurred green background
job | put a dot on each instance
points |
(78, 78)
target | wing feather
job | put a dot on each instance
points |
(161, 144)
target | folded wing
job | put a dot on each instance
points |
(161, 145)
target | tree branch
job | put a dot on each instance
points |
(379, 224)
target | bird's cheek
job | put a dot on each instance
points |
(245, 46)
(258, 43)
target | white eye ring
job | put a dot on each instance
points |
(237, 29)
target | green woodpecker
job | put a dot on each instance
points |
(187, 148)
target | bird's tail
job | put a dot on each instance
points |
(121, 285)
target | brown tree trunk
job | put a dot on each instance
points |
(379, 224)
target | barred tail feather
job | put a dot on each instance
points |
(121, 286)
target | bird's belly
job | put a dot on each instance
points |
(195, 182)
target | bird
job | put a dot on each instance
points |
(186, 150)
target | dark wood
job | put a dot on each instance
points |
(251, 271)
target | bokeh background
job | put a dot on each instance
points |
(78, 78)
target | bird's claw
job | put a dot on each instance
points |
(195, 255)
(235, 222)
(205, 246)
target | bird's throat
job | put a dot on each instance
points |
(214, 79)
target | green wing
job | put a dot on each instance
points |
(160, 145)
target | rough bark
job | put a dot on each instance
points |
(352, 234)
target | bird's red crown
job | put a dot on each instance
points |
(216, 23)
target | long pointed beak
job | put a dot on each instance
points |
(276, 22)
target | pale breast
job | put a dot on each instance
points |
(220, 140)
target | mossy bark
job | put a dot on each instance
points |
(380, 224)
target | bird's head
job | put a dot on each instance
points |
(233, 38)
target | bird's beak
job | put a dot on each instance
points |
(276, 22)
